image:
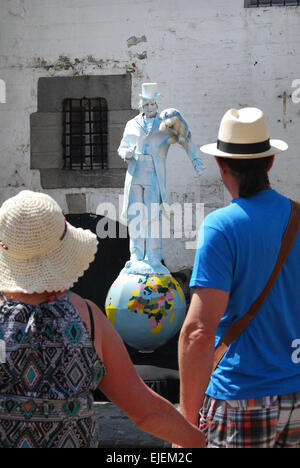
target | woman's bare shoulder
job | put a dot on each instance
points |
(81, 302)
(77, 300)
(81, 305)
(99, 319)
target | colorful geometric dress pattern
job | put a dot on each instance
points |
(51, 368)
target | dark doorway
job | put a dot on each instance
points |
(111, 257)
(159, 370)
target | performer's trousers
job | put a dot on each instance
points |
(144, 214)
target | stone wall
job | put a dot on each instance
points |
(206, 56)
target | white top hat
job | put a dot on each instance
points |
(243, 134)
(149, 91)
(39, 250)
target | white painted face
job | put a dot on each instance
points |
(150, 108)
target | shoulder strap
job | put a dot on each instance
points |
(91, 321)
(239, 326)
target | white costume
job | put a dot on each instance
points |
(145, 147)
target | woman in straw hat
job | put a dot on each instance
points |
(252, 399)
(51, 363)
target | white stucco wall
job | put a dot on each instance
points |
(206, 56)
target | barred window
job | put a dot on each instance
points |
(85, 136)
(267, 3)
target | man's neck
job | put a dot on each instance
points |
(232, 185)
(234, 192)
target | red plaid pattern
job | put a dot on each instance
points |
(269, 422)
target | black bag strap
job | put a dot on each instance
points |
(91, 321)
(239, 326)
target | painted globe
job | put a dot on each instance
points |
(146, 310)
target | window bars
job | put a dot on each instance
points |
(85, 136)
(266, 3)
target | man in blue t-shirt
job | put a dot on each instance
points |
(253, 397)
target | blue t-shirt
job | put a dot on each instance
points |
(237, 250)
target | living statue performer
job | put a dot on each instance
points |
(144, 147)
(145, 303)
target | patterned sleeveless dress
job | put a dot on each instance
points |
(50, 369)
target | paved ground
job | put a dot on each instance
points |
(118, 431)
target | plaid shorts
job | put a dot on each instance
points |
(268, 422)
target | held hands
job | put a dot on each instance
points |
(200, 444)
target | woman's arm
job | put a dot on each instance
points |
(124, 387)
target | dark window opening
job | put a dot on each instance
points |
(267, 3)
(85, 137)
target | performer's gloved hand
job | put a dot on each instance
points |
(198, 166)
(130, 154)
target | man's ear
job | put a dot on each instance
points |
(270, 163)
(221, 164)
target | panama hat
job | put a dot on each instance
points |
(149, 91)
(243, 134)
(39, 250)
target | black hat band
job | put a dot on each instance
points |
(240, 148)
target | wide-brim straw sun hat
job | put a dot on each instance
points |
(243, 134)
(39, 250)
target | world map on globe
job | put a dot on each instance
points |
(155, 298)
(146, 310)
